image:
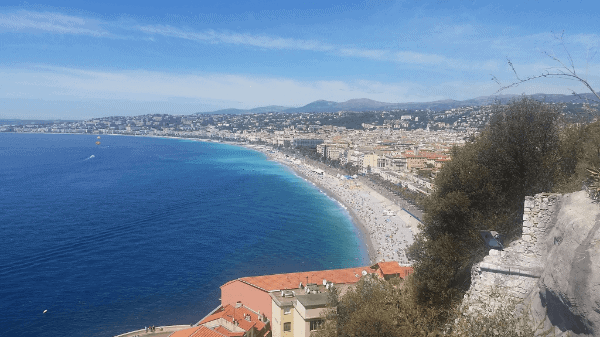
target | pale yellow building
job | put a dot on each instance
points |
(368, 160)
(298, 312)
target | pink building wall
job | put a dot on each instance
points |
(250, 296)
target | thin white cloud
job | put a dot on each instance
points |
(421, 58)
(374, 54)
(67, 24)
(212, 36)
(588, 40)
(426, 59)
(102, 93)
(51, 22)
(226, 90)
(270, 42)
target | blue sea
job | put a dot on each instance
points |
(140, 231)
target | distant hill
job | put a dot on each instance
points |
(270, 108)
(317, 106)
(365, 104)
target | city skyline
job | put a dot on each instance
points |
(70, 61)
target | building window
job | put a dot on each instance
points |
(314, 325)
(287, 326)
(286, 311)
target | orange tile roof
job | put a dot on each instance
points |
(392, 267)
(198, 331)
(426, 155)
(223, 330)
(229, 313)
(292, 280)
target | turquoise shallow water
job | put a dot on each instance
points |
(142, 231)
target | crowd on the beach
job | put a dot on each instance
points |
(388, 226)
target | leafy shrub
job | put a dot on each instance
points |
(484, 187)
(376, 307)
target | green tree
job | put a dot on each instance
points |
(376, 307)
(484, 187)
(579, 150)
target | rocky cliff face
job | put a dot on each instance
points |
(553, 270)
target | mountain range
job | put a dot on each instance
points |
(365, 104)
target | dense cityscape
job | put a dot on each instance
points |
(404, 147)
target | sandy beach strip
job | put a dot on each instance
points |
(386, 227)
(358, 221)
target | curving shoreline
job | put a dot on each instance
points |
(386, 228)
(358, 222)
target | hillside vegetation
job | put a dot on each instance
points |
(525, 149)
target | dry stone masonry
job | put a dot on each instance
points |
(553, 271)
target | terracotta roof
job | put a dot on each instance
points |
(223, 330)
(392, 267)
(198, 331)
(229, 313)
(292, 280)
(426, 155)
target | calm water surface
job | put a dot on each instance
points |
(142, 231)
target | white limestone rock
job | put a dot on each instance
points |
(569, 289)
(560, 242)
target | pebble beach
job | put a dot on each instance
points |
(387, 228)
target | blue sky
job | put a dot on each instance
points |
(65, 59)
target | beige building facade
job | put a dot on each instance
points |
(298, 312)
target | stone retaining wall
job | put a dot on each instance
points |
(515, 271)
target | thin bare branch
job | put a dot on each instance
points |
(513, 68)
(548, 74)
(562, 43)
(495, 79)
(564, 71)
(559, 61)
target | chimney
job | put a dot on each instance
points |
(238, 304)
